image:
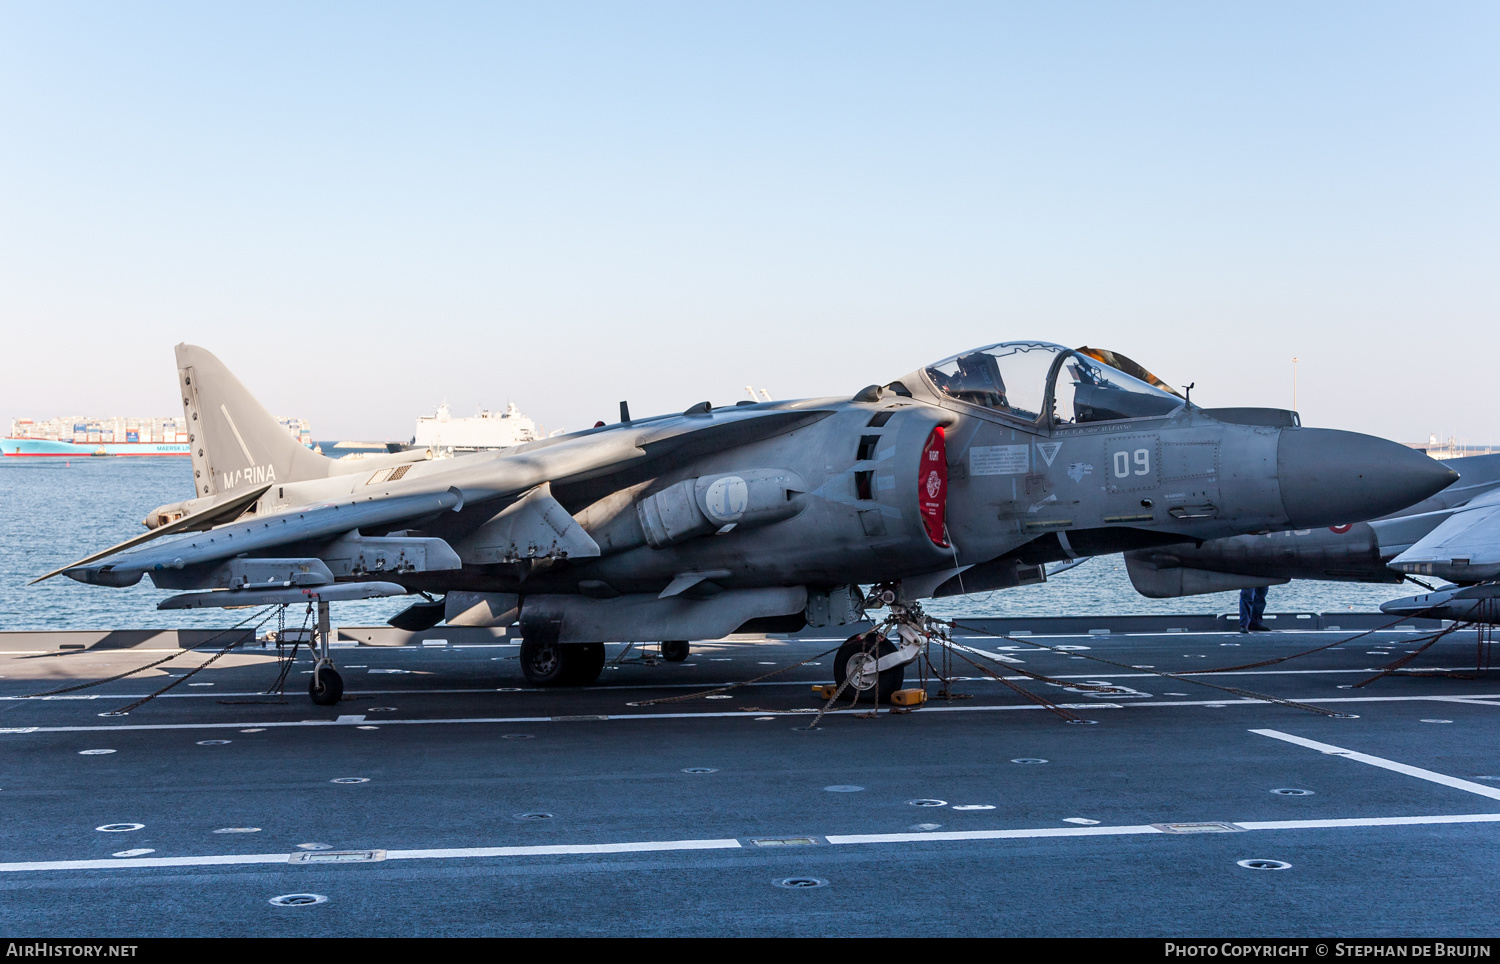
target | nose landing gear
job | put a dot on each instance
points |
(859, 663)
(871, 664)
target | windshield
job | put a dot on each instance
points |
(1091, 391)
(1015, 378)
(1009, 377)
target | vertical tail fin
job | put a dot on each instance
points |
(235, 442)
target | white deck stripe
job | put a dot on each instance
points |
(221, 860)
(1023, 636)
(1429, 775)
(127, 863)
(1367, 822)
(710, 685)
(999, 656)
(870, 838)
(729, 843)
(723, 714)
(652, 846)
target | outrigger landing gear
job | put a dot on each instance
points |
(326, 687)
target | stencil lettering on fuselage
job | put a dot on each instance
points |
(998, 460)
(1133, 462)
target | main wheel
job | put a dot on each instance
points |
(542, 661)
(326, 687)
(582, 662)
(548, 663)
(674, 650)
(858, 652)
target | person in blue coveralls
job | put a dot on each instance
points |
(1252, 608)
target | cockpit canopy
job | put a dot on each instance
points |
(1040, 382)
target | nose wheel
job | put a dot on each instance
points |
(674, 650)
(857, 661)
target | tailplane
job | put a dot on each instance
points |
(235, 442)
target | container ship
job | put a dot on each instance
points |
(78, 437)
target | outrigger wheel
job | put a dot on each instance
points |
(326, 687)
(858, 652)
(674, 650)
(549, 663)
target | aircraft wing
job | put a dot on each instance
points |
(258, 534)
(601, 452)
(1397, 534)
(1464, 548)
(231, 508)
(583, 456)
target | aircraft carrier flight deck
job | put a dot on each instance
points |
(1125, 792)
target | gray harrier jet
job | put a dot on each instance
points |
(966, 475)
(1412, 541)
(1454, 535)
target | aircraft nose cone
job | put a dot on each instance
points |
(1330, 477)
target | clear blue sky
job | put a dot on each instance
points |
(364, 208)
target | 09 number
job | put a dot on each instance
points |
(1141, 459)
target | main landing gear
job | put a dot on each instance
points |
(547, 662)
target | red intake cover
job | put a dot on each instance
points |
(932, 487)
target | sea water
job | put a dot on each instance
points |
(55, 511)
